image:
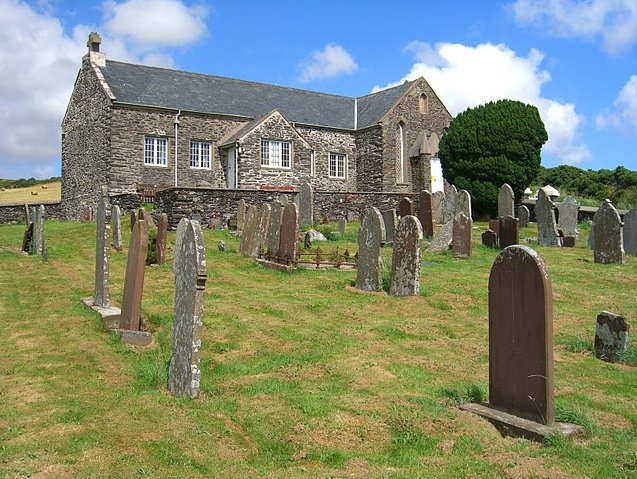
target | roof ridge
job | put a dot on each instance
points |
(386, 89)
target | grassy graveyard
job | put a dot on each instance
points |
(303, 376)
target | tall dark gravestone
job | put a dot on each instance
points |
(426, 213)
(405, 207)
(134, 278)
(509, 231)
(162, 235)
(116, 227)
(184, 372)
(289, 240)
(370, 239)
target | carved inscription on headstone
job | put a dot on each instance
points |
(461, 242)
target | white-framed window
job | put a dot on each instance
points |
(312, 163)
(155, 151)
(337, 164)
(200, 155)
(275, 153)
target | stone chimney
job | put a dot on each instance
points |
(93, 44)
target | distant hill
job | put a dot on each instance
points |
(23, 183)
(38, 191)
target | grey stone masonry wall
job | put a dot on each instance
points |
(15, 213)
(86, 137)
(130, 127)
(201, 203)
(369, 161)
(436, 119)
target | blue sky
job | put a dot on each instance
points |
(575, 60)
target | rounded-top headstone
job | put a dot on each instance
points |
(608, 235)
(506, 201)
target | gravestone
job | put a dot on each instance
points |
(591, 236)
(134, 278)
(102, 249)
(27, 215)
(289, 241)
(179, 236)
(87, 214)
(439, 207)
(274, 230)
(405, 266)
(545, 218)
(27, 239)
(608, 235)
(630, 232)
(568, 242)
(523, 216)
(261, 235)
(490, 239)
(611, 336)
(405, 207)
(184, 372)
(162, 234)
(133, 219)
(38, 230)
(450, 203)
(389, 222)
(241, 214)
(370, 263)
(342, 225)
(306, 204)
(494, 225)
(307, 240)
(442, 238)
(148, 218)
(509, 231)
(249, 230)
(463, 204)
(506, 201)
(521, 335)
(425, 213)
(116, 226)
(461, 231)
(568, 216)
(284, 199)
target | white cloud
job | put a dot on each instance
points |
(330, 62)
(38, 65)
(465, 76)
(156, 22)
(623, 115)
(615, 21)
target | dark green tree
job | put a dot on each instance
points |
(490, 145)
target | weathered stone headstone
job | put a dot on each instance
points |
(249, 230)
(509, 231)
(284, 199)
(133, 219)
(439, 207)
(274, 230)
(425, 213)
(463, 204)
(568, 216)
(506, 201)
(611, 336)
(442, 238)
(370, 263)
(184, 372)
(450, 203)
(494, 225)
(461, 243)
(162, 234)
(389, 222)
(405, 207)
(405, 266)
(608, 235)
(148, 218)
(221, 245)
(87, 214)
(241, 214)
(116, 226)
(591, 236)
(306, 204)
(289, 241)
(521, 335)
(490, 239)
(179, 236)
(27, 239)
(545, 218)
(307, 240)
(261, 235)
(342, 225)
(568, 241)
(630, 232)
(27, 215)
(523, 216)
(38, 230)
(102, 250)
(134, 278)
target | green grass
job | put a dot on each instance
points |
(301, 376)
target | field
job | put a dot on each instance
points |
(303, 377)
(46, 193)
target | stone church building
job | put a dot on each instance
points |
(130, 125)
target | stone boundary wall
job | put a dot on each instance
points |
(15, 213)
(203, 203)
(584, 212)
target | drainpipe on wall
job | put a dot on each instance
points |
(355, 113)
(176, 123)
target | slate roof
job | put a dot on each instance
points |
(174, 89)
